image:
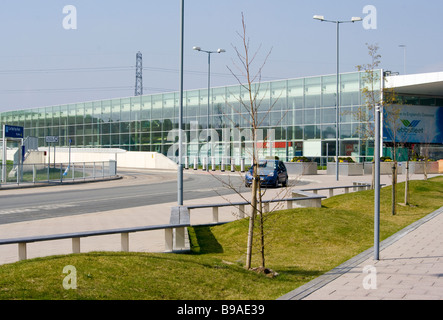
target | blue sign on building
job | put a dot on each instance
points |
(414, 125)
(13, 132)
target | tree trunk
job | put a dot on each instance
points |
(252, 218)
(407, 183)
(262, 231)
(394, 183)
(425, 168)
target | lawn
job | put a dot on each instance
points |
(301, 245)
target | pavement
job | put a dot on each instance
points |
(410, 264)
(410, 267)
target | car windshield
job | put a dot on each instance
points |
(267, 164)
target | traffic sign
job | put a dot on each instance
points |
(13, 132)
(51, 139)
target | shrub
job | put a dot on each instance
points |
(300, 159)
(346, 160)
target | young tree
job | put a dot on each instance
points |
(391, 121)
(249, 79)
(385, 98)
(372, 97)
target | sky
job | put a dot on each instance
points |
(44, 61)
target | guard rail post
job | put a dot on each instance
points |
(214, 214)
(124, 242)
(180, 216)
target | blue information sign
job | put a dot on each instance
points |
(13, 132)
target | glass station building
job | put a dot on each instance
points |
(298, 117)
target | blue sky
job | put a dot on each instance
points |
(42, 64)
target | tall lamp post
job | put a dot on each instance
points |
(377, 185)
(337, 124)
(209, 90)
(404, 57)
(180, 111)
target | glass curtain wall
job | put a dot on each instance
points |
(290, 113)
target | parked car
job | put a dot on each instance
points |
(271, 172)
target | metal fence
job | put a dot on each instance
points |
(57, 172)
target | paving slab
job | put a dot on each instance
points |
(405, 270)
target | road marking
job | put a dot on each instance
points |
(36, 208)
(145, 195)
(79, 202)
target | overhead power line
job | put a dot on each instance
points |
(60, 90)
(113, 69)
(56, 70)
(98, 70)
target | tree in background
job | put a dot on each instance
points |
(387, 99)
(372, 96)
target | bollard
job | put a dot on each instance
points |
(186, 163)
(222, 165)
(213, 164)
(195, 163)
(242, 165)
(232, 165)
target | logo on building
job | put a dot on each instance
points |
(410, 127)
(409, 124)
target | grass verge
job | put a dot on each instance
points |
(301, 245)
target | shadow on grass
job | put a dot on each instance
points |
(202, 240)
(297, 276)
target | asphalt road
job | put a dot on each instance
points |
(137, 188)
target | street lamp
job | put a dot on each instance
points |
(209, 90)
(377, 185)
(337, 147)
(180, 110)
(404, 57)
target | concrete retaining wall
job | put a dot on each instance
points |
(125, 159)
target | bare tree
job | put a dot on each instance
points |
(391, 120)
(384, 97)
(372, 97)
(248, 105)
(425, 150)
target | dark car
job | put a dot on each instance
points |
(271, 172)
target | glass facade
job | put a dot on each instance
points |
(298, 117)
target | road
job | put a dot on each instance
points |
(137, 188)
